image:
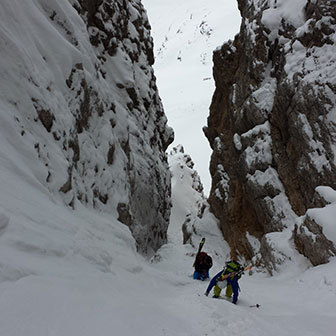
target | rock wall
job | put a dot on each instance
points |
(84, 97)
(272, 121)
(188, 198)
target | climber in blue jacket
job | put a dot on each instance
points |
(220, 281)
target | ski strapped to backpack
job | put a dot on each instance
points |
(225, 276)
(201, 245)
(199, 249)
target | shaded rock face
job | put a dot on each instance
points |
(93, 113)
(312, 243)
(148, 181)
(271, 125)
(311, 232)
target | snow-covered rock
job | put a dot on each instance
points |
(187, 194)
(191, 219)
(80, 112)
(272, 123)
(315, 232)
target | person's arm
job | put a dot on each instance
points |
(212, 283)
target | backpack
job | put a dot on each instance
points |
(233, 267)
(203, 262)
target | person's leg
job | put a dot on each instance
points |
(235, 290)
(197, 276)
(217, 291)
(228, 291)
(204, 275)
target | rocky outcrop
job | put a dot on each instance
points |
(91, 114)
(188, 198)
(312, 243)
(271, 123)
(312, 229)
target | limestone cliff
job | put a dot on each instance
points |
(272, 124)
(77, 78)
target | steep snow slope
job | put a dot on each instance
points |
(185, 34)
(81, 112)
(93, 282)
(75, 272)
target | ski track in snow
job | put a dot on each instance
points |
(76, 273)
(86, 279)
(75, 293)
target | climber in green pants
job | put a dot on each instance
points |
(231, 282)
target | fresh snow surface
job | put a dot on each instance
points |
(185, 35)
(76, 273)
